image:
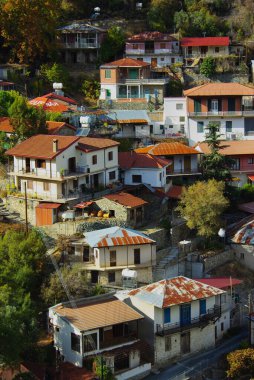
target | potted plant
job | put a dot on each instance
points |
(62, 172)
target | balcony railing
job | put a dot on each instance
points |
(218, 113)
(79, 45)
(200, 321)
(144, 81)
(182, 171)
(40, 172)
(118, 340)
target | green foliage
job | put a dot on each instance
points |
(241, 362)
(102, 370)
(215, 165)
(54, 116)
(91, 89)
(125, 145)
(24, 376)
(201, 205)
(55, 73)
(207, 67)
(161, 14)
(113, 44)
(6, 100)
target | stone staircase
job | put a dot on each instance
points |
(11, 216)
(160, 271)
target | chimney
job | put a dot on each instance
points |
(55, 145)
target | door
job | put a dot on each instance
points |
(72, 164)
(197, 105)
(27, 165)
(214, 106)
(231, 104)
(136, 256)
(94, 276)
(202, 307)
(86, 254)
(185, 343)
(133, 73)
(154, 62)
(95, 180)
(112, 258)
(187, 164)
(185, 314)
(203, 50)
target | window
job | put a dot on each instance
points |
(161, 126)
(229, 126)
(110, 156)
(189, 50)
(111, 277)
(162, 59)
(182, 128)
(90, 342)
(163, 45)
(108, 94)
(118, 330)
(107, 74)
(167, 342)
(46, 186)
(131, 214)
(160, 176)
(222, 326)
(94, 160)
(71, 250)
(202, 307)
(217, 49)
(167, 316)
(242, 256)
(182, 119)
(75, 342)
(179, 106)
(223, 298)
(135, 46)
(136, 178)
(40, 164)
(200, 126)
(251, 161)
(112, 255)
(112, 175)
(30, 185)
(137, 256)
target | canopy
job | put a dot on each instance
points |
(84, 204)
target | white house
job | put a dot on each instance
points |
(105, 253)
(175, 116)
(59, 168)
(180, 315)
(139, 168)
(101, 326)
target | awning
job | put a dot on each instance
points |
(133, 121)
(48, 205)
(251, 177)
(84, 204)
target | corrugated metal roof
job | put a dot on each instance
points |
(245, 233)
(48, 205)
(167, 149)
(220, 282)
(125, 62)
(174, 291)
(129, 115)
(100, 314)
(126, 199)
(205, 41)
(115, 236)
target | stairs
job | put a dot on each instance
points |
(11, 216)
(160, 271)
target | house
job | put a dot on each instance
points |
(105, 253)
(100, 327)
(175, 116)
(131, 80)
(183, 158)
(140, 168)
(61, 167)
(229, 104)
(79, 42)
(8, 69)
(156, 48)
(242, 154)
(179, 316)
(55, 102)
(54, 127)
(125, 207)
(6, 86)
(200, 47)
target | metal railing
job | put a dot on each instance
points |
(144, 81)
(183, 171)
(41, 172)
(218, 113)
(201, 320)
(79, 45)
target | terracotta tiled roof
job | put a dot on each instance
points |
(126, 62)
(5, 125)
(175, 192)
(230, 147)
(220, 89)
(41, 146)
(126, 199)
(220, 282)
(115, 236)
(167, 149)
(55, 126)
(205, 41)
(96, 315)
(88, 144)
(48, 104)
(151, 36)
(174, 291)
(129, 160)
(65, 99)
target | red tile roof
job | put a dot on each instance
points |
(48, 104)
(220, 282)
(41, 146)
(151, 36)
(5, 125)
(128, 160)
(167, 149)
(126, 62)
(48, 205)
(174, 291)
(88, 144)
(126, 199)
(220, 89)
(230, 147)
(53, 95)
(55, 126)
(205, 41)
(175, 192)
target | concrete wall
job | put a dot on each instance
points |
(220, 258)
(153, 177)
(245, 254)
(172, 115)
(17, 204)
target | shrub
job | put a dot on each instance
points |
(207, 67)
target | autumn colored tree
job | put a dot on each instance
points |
(241, 362)
(201, 205)
(161, 14)
(28, 27)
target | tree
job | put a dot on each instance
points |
(6, 100)
(207, 67)
(55, 73)
(201, 205)
(215, 165)
(113, 44)
(36, 23)
(102, 370)
(161, 14)
(241, 362)
(91, 89)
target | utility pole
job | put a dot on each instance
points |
(250, 313)
(26, 219)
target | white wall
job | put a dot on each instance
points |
(112, 88)
(245, 254)
(149, 176)
(172, 114)
(162, 59)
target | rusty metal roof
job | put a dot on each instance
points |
(167, 149)
(115, 236)
(174, 291)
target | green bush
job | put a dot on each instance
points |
(207, 67)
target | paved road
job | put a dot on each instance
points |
(195, 363)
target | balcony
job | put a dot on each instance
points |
(200, 321)
(182, 171)
(79, 45)
(42, 173)
(220, 114)
(118, 341)
(141, 81)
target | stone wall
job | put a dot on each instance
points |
(17, 204)
(214, 260)
(124, 105)
(160, 235)
(106, 204)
